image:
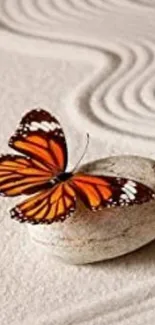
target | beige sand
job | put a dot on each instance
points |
(91, 62)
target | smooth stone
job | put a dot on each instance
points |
(88, 236)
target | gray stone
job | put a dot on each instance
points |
(88, 236)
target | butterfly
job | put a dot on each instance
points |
(39, 170)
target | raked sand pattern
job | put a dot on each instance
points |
(119, 95)
(92, 62)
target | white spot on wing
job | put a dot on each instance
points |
(34, 126)
(131, 183)
(44, 125)
(130, 188)
(124, 197)
(129, 195)
(54, 126)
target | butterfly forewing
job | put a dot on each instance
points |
(21, 175)
(41, 137)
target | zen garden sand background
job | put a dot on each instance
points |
(92, 64)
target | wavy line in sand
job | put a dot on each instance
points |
(50, 12)
(115, 100)
(68, 9)
(122, 4)
(112, 98)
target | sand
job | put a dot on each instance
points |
(91, 63)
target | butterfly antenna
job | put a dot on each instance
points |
(84, 152)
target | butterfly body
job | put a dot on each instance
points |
(62, 177)
(40, 170)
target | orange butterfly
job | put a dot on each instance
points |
(41, 171)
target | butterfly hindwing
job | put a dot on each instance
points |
(21, 175)
(41, 137)
(96, 192)
(55, 204)
(106, 191)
